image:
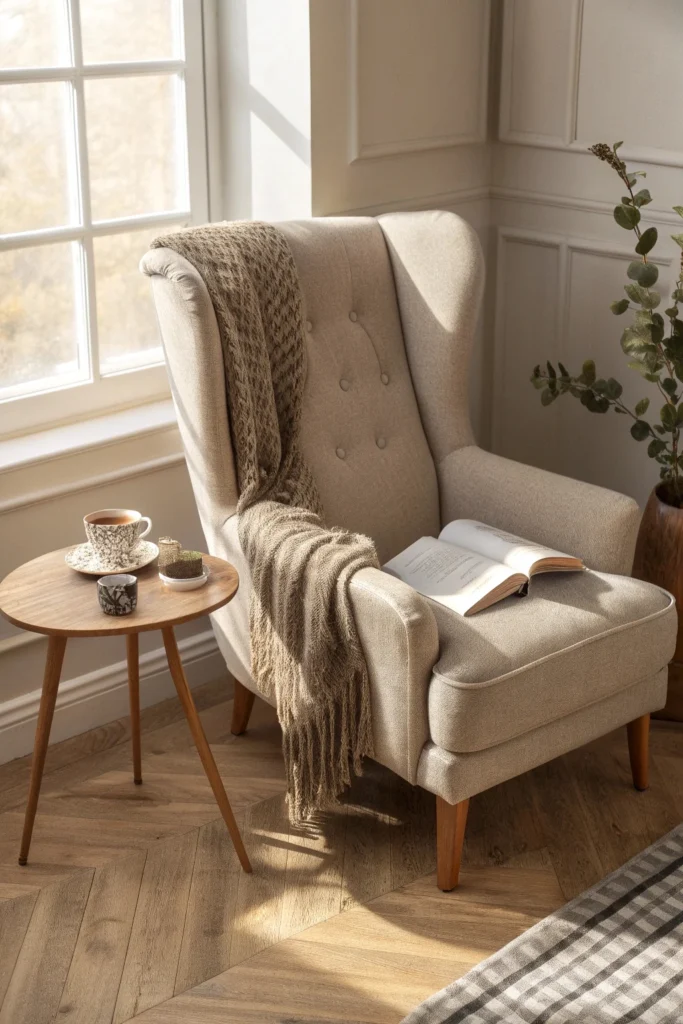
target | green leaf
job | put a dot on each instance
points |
(547, 397)
(619, 306)
(617, 145)
(671, 312)
(614, 388)
(642, 407)
(647, 241)
(588, 372)
(551, 370)
(669, 386)
(645, 274)
(633, 292)
(563, 370)
(678, 239)
(668, 417)
(655, 447)
(626, 216)
(679, 414)
(538, 383)
(638, 366)
(622, 412)
(640, 430)
(678, 210)
(642, 198)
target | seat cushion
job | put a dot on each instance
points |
(573, 641)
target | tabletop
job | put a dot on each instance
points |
(46, 596)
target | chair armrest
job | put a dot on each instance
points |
(598, 525)
(400, 639)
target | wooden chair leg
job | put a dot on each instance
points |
(639, 751)
(242, 704)
(132, 648)
(202, 744)
(53, 667)
(451, 820)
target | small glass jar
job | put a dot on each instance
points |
(169, 550)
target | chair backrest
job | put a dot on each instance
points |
(391, 305)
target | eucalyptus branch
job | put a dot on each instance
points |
(652, 341)
(576, 382)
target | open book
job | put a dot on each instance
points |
(471, 565)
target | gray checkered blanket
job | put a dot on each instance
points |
(611, 956)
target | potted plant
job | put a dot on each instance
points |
(653, 344)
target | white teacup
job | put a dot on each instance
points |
(113, 533)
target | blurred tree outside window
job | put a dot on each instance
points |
(93, 165)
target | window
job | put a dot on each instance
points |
(102, 147)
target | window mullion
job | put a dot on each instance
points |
(88, 271)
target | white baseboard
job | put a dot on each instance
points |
(102, 696)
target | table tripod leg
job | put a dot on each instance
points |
(132, 647)
(53, 667)
(202, 744)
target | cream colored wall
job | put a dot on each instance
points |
(575, 72)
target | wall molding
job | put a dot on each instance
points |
(576, 204)
(359, 150)
(440, 201)
(102, 696)
(568, 141)
(505, 132)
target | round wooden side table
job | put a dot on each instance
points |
(46, 596)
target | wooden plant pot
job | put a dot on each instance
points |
(659, 559)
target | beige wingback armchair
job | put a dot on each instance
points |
(458, 704)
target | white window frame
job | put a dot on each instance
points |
(97, 393)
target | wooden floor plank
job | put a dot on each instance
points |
(367, 851)
(413, 840)
(15, 915)
(35, 989)
(566, 827)
(260, 895)
(151, 963)
(314, 871)
(92, 984)
(207, 936)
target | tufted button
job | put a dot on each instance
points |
(353, 316)
(309, 326)
(385, 378)
(341, 454)
(381, 442)
(344, 384)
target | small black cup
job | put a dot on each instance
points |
(118, 595)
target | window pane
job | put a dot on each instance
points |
(126, 322)
(133, 146)
(33, 33)
(117, 30)
(40, 320)
(36, 147)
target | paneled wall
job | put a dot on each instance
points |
(575, 72)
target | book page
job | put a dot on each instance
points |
(451, 575)
(500, 546)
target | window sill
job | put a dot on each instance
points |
(41, 466)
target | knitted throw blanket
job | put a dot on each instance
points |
(305, 650)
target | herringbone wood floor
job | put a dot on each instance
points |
(133, 905)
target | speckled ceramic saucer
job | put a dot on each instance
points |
(82, 558)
